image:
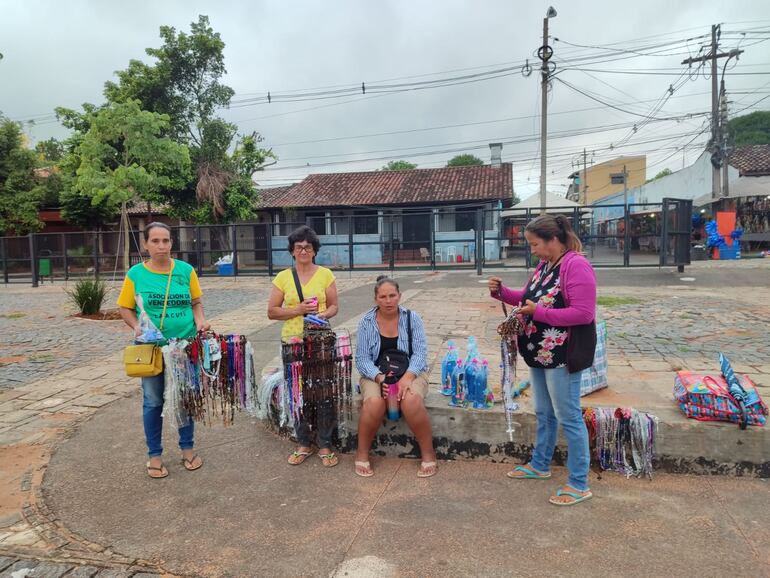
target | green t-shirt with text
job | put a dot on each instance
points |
(151, 285)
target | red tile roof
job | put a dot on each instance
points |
(140, 208)
(752, 161)
(417, 187)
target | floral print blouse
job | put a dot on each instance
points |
(542, 345)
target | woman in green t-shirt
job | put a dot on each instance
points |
(183, 318)
(319, 290)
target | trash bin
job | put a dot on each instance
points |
(44, 264)
(44, 267)
(225, 269)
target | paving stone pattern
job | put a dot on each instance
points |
(40, 337)
(26, 568)
(687, 329)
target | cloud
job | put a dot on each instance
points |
(60, 54)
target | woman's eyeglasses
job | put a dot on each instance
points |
(303, 248)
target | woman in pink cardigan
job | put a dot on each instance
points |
(559, 306)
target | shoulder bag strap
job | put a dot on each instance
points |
(409, 330)
(165, 300)
(297, 284)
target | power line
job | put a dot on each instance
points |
(460, 125)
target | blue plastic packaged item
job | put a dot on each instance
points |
(471, 371)
(148, 333)
(487, 400)
(316, 320)
(473, 350)
(448, 364)
(459, 390)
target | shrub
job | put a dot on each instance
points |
(88, 295)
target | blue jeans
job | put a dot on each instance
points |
(152, 407)
(557, 401)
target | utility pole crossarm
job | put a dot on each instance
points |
(711, 56)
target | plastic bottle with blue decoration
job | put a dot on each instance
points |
(448, 364)
(459, 391)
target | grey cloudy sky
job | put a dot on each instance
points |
(61, 53)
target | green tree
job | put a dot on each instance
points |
(660, 175)
(185, 83)
(122, 158)
(399, 166)
(465, 161)
(50, 151)
(21, 190)
(750, 129)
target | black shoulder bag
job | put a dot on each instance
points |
(393, 363)
(581, 347)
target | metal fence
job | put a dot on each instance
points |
(474, 239)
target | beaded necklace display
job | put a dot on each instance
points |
(318, 370)
(623, 439)
(208, 376)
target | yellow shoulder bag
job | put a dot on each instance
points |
(146, 359)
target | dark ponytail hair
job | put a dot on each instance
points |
(155, 225)
(548, 227)
(382, 280)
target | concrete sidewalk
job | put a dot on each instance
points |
(90, 507)
(248, 513)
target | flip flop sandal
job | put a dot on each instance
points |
(366, 466)
(427, 469)
(188, 464)
(299, 457)
(576, 497)
(528, 473)
(161, 469)
(329, 460)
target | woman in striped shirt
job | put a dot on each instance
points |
(384, 328)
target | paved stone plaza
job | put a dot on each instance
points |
(74, 500)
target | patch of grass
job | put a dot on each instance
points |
(17, 315)
(610, 301)
(683, 348)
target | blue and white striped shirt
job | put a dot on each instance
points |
(368, 343)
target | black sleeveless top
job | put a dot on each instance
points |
(386, 343)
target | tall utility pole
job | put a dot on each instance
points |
(725, 145)
(544, 53)
(716, 189)
(585, 178)
(717, 156)
(625, 188)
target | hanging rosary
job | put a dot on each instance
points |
(317, 369)
(208, 376)
(509, 330)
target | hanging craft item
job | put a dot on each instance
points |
(209, 376)
(268, 404)
(509, 330)
(623, 439)
(317, 369)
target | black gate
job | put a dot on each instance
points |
(675, 236)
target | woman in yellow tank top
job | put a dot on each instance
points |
(319, 290)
